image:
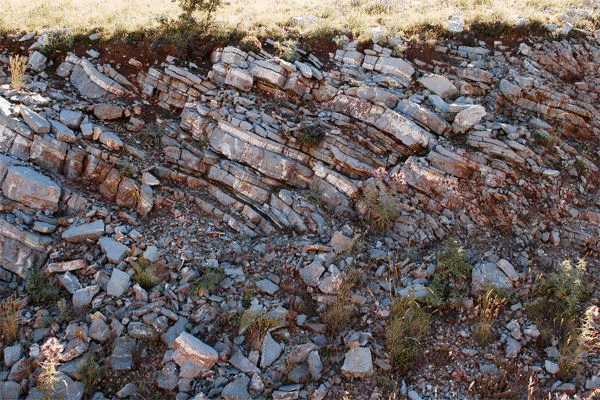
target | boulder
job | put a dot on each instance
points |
(31, 188)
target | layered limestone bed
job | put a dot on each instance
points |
(491, 141)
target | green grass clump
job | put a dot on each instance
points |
(150, 134)
(558, 310)
(408, 325)
(41, 288)
(452, 276)
(207, 282)
(250, 43)
(91, 374)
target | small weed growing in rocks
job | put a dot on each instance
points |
(558, 312)
(340, 311)
(51, 350)
(144, 276)
(409, 323)
(286, 51)
(90, 373)
(127, 170)
(489, 308)
(451, 280)
(16, 69)
(41, 288)
(10, 309)
(258, 324)
(380, 205)
(207, 282)
(311, 135)
(250, 43)
(151, 134)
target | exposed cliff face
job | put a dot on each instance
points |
(496, 138)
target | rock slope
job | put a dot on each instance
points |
(271, 178)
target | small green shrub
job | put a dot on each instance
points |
(286, 51)
(127, 170)
(258, 324)
(60, 40)
(558, 311)
(408, 325)
(41, 288)
(90, 373)
(144, 277)
(452, 276)
(151, 134)
(207, 282)
(251, 43)
(311, 135)
(205, 7)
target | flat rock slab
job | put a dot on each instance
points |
(467, 118)
(119, 282)
(237, 390)
(65, 266)
(33, 189)
(270, 351)
(487, 275)
(107, 111)
(358, 363)
(115, 251)
(191, 350)
(122, 358)
(439, 85)
(72, 119)
(79, 233)
(36, 122)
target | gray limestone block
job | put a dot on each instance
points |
(31, 188)
(119, 282)
(115, 251)
(79, 233)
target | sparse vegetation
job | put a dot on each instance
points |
(16, 69)
(90, 373)
(380, 205)
(250, 43)
(286, 50)
(207, 282)
(10, 309)
(558, 311)
(311, 135)
(409, 322)
(258, 323)
(50, 350)
(452, 276)
(41, 288)
(339, 312)
(146, 274)
(489, 308)
(150, 134)
(127, 170)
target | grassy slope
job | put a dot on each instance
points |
(274, 17)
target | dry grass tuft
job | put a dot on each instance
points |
(16, 69)
(265, 18)
(10, 309)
